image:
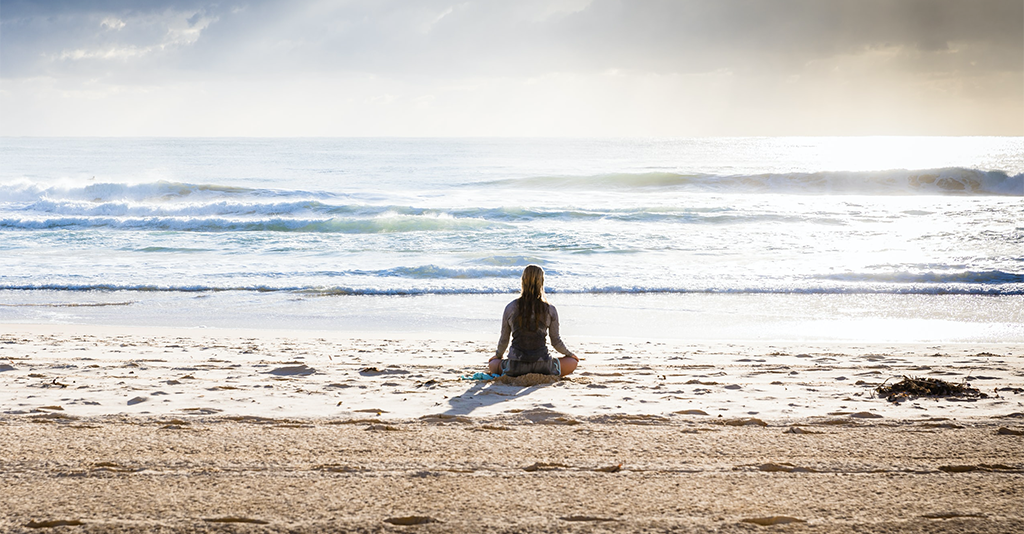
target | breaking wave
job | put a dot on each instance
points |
(27, 191)
(441, 280)
(994, 277)
(373, 225)
(946, 181)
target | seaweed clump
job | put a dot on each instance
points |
(926, 387)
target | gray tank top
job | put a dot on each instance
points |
(531, 345)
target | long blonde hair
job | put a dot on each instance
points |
(533, 309)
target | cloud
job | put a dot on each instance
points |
(528, 37)
(94, 39)
(667, 37)
(911, 58)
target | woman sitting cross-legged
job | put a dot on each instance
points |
(530, 320)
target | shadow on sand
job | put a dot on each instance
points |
(484, 393)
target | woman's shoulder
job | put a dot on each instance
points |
(514, 305)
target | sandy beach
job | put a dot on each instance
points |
(124, 429)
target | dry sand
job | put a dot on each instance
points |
(195, 430)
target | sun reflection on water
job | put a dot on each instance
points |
(883, 153)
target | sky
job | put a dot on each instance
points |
(590, 68)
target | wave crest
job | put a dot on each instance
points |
(29, 191)
(374, 225)
(946, 181)
(994, 277)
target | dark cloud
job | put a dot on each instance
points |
(494, 37)
(751, 34)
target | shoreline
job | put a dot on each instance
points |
(718, 318)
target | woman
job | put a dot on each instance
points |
(529, 320)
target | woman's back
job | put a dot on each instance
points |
(529, 333)
(528, 322)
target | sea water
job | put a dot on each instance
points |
(906, 239)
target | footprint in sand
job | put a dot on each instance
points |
(542, 416)
(783, 467)
(293, 370)
(985, 468)
(54, 523)
(411, 520)
(949, 515)
(744, 421)
(798, 430)
(541, 466)
(575, 518)
(236, 520)
(773, 520)
(374, 371)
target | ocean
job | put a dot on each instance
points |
(883, 239)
